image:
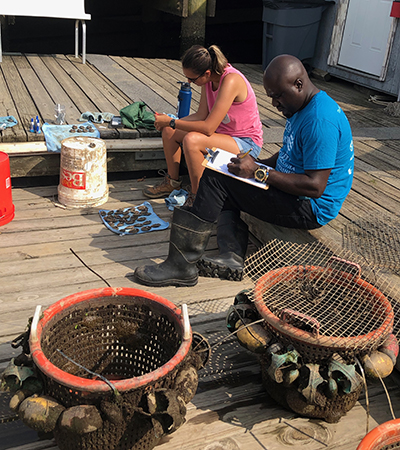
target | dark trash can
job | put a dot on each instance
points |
(290, 28)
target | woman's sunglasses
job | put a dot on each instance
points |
(193, 80)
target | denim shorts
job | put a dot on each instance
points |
(246, 144)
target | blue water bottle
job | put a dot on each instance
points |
(184, 99)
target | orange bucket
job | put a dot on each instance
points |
(382, 437)
(7, 208)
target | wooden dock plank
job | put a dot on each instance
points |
(89, 89)
(357, 104)
(38, 267)
(77, 99)
(168, 79)
(53, 87)
(25, 252)
(174, 74)
(111, 95)
(113, 89)
(21, 97)
(127, 82)
(377, 158)
(142, 75)
(7, 108)
(44, 103)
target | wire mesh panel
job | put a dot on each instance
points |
(320, 300)
(377, 239)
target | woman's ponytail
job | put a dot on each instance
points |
(200, 59)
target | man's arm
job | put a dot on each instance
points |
(312, 183)
(271, 161)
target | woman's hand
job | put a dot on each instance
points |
(242, 167)
(161, 121)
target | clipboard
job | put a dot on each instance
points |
(218, 160)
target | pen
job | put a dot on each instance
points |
(242, 155)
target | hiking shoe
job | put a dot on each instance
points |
(164, 188)
(222, 267)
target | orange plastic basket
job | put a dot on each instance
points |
(86, 323)
(384, 437)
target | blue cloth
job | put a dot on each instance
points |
(133, 220)
(176, 198)
(54, 134)
(7, 122)
(319, 137)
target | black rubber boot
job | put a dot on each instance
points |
(188, 239)
(232, 239)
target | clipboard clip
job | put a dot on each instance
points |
(211, 154)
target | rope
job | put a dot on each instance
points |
(385, 389)
(366, 392)
(80, 259)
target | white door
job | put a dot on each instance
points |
(366, 35)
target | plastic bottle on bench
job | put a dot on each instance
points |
(184, 99)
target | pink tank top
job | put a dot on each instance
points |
(243, 118)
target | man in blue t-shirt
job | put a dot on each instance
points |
(308, 180)
(316, 138)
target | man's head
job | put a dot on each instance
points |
(286, 81)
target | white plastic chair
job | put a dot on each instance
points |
(70, 9)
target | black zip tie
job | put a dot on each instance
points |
(80, 259)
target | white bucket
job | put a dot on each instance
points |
(83, 172)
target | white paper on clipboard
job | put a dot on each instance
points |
(220, 162)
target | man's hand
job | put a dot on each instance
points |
(242, 167)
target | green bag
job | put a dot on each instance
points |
(136, 116)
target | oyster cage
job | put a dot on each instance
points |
(321, 301)
(121, 356)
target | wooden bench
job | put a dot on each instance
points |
(31, 159)
(71, 9)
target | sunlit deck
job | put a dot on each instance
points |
(38, 267)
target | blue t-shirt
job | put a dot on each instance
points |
(319, 137)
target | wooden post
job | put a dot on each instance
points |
(193, 29)
(5, 21)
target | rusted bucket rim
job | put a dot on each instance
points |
(82, 384)
(339, 343)
(382, 436)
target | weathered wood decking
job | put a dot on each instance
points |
(37, 266)
(30, 85)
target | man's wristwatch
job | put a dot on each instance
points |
(261, 174)
(172, 124)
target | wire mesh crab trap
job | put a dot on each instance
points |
(118, 369)
(323, 309)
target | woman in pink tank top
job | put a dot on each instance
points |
(227, 118)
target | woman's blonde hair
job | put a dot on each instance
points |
(199, 59)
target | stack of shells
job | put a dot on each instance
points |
(81, 129)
